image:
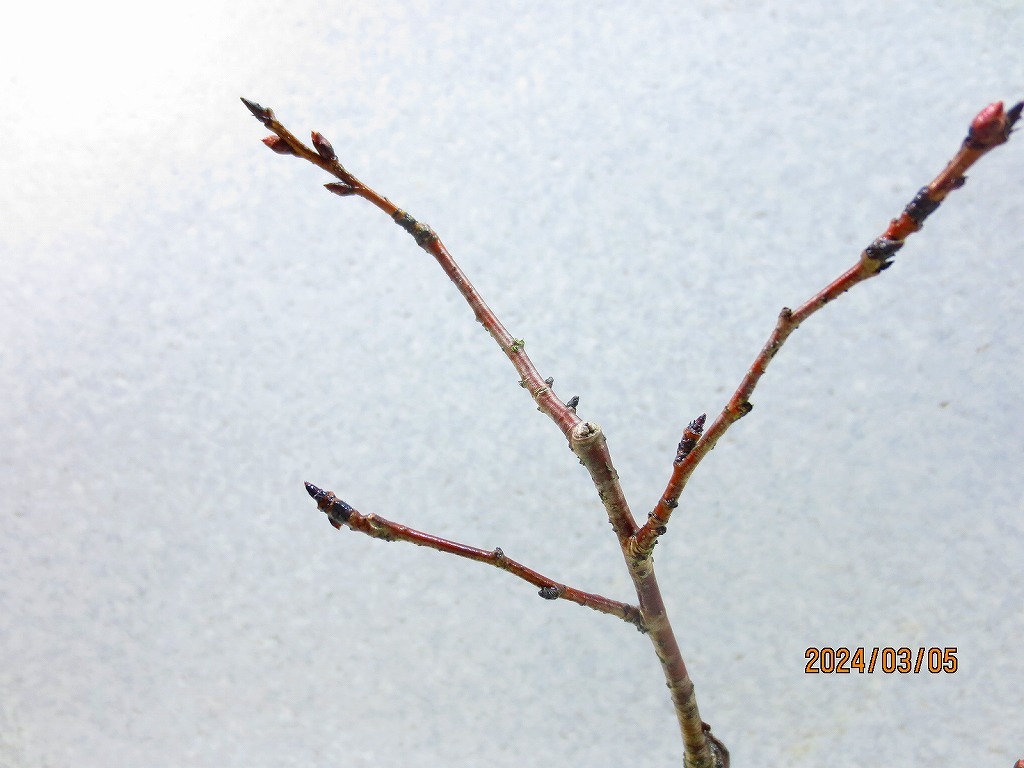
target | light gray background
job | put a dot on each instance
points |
(191, 327)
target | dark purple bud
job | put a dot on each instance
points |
(339, 512)
(1012, 116)
(697, 425)
(323, 146)
(691, 435)
(261, 113)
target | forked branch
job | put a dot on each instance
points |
(990, 128)
(586, 440)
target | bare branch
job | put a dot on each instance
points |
(323, 156)
(988, 130)
(342, 515)
(586, 440)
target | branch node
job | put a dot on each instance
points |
(718, 749)
(585, 431)
(424, 236)
(882, 249)
(922, 206)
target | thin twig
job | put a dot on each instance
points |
(325, 157)
(988, 130)
(342, 515)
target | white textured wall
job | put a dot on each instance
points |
(190, 327)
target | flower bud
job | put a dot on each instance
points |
(279, 145)
(342, 190)
(989, 127)
(323, 146)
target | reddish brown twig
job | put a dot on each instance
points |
(324, 156)
(988, 130)
(341, 515)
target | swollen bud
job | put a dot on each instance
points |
(989, 127)
(279, 145)
(323, 146)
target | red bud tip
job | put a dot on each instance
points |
(279, 145)
(323, 146)
(989, 127)
(342, 190)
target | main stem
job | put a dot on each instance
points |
(589, 443)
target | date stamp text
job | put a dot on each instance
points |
(905, 661)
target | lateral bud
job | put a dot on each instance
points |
(691, 435)
(342, 190)
(279, 145)
(323, 147)
(882, 249)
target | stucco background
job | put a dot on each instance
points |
(191, 327)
